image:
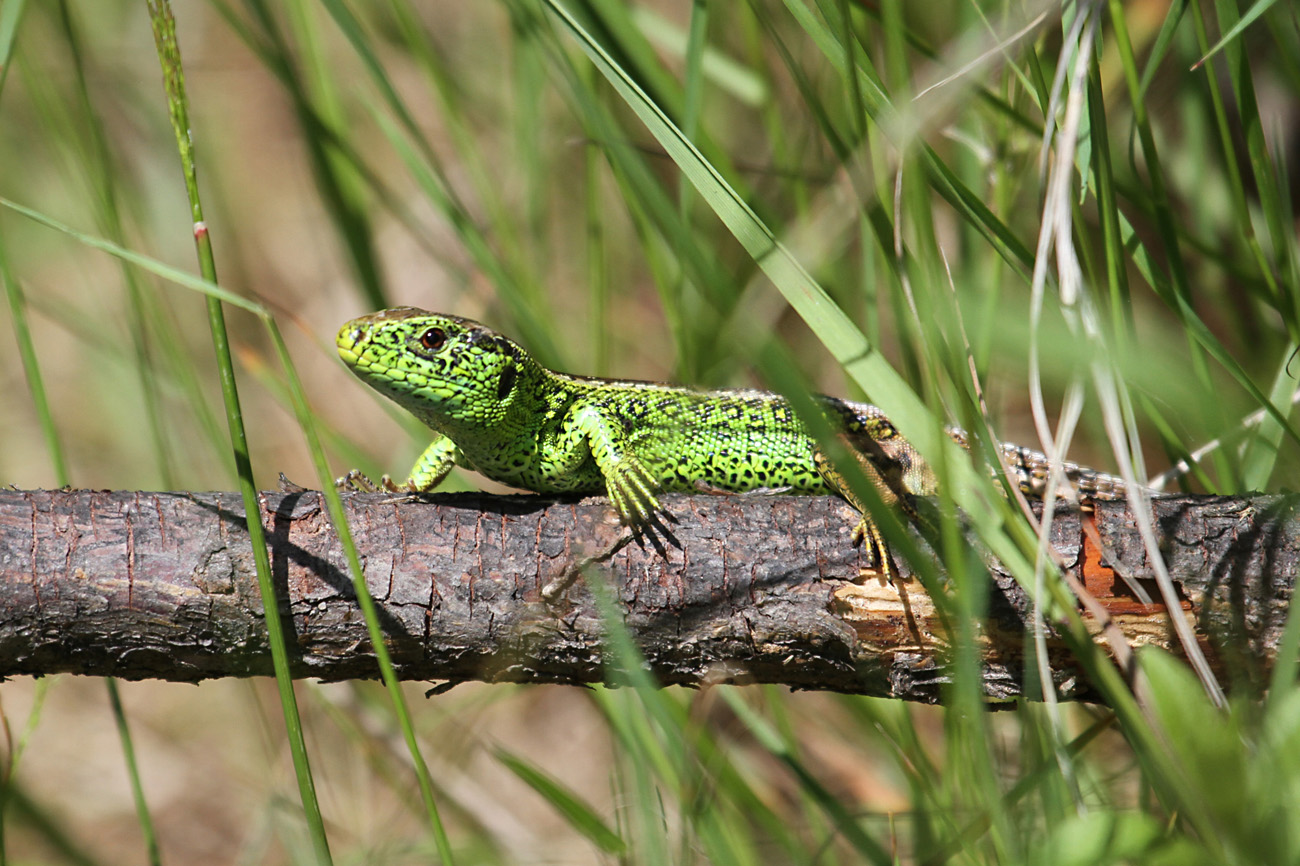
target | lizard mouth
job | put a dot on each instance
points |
(361, 354)
(351, 342)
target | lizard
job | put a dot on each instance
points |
(497, 410)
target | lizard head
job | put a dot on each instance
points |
(445, 370)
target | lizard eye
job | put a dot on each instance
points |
(433, 339)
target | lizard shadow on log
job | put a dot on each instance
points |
(284, 511)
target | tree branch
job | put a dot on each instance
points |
(762, 589)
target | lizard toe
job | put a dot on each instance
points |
(355, 480)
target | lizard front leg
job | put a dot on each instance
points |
(430, 468)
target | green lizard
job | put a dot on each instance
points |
(500, 412)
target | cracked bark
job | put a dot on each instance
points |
(763, 589)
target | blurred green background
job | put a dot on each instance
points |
(470, 158)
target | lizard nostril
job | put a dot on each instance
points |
(352, 340)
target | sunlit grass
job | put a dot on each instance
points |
(850, 197)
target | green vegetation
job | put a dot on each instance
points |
(967, 213)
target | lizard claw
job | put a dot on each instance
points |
(633, 492)
(354, 480)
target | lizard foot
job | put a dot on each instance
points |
(633, 492)
(358, 481)
(867, 531)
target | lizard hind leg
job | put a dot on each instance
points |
(861, 447)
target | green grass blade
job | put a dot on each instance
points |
(512, 285)
(1274, 197)
(1007, 541)
(841, 337)
(164, 25)
(46, 826)
(579, 815)
(106, 202)
(152, 265)
(334, 166)
(11, 15)
(364, 599)
(845, 823)
(133, 772)
(828, 321)
(32, 369)
(658, 221)
(1252, 14)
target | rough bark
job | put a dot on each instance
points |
(762, 589)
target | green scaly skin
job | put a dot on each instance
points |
(499, 412)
